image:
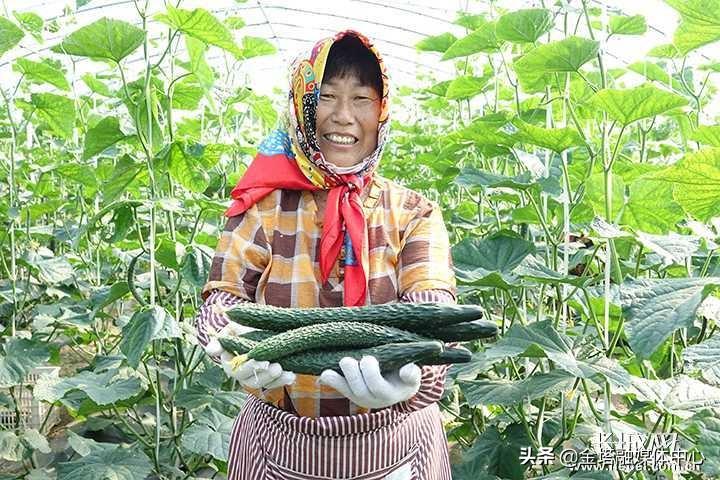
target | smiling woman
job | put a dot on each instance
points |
(314, 225)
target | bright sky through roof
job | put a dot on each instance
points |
(395, 25)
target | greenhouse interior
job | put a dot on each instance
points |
(401, 240)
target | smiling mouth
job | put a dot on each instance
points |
(340, 139)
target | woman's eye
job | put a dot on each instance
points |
(326, 96)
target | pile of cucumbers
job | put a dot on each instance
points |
(310, 340)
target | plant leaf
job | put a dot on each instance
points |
(709, 135)
(117, 464)
(655, 308)
(679, 395)
(487, 261)
(465, 87)
(696, 183)
(20, 357)
(628, 25)
(506, 392)
(481, 40)
(256, 47)
(201, 24)
(524, 26)
(438, 43)
(42, 72)
(106, 38)
(209, 435)
(700, 23)
(10, 35)
(566, 55)
(103, 135)
(556, 139)
(102, 388)
(144, 326)
(651, 207)
(56, 111)
(632, 104)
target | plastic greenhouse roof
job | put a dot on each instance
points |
(394, 25)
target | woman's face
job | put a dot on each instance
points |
(347, 120)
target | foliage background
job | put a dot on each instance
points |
(582, 201)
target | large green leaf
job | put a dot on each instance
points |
(700, 23)
(10, 35)
(506, 392)
(42, 72)
(465, 87)
(566, 55)
(20, 357)
(481, 40)
(96, 85)
(672, 248)
(203, 25)
(540, 339)
(705, 354)
(706, 425)
(653, 71)
(473, 178)
(146, 325)
(125, 173)
(118, 464)
(103, 135)
(557, 139)
(679, 395)
(696, 183)
(631, 104)
(707, 134)
(490, 261)
(655, 308)
(11, 448)
(256, 46)
(494, 453)
(103, 39)
(627, 25)
(103, 388)
(651, 207)
(437, 43)
(56, 111)
(524, 26)
(31, 22)
(189, 164)
(209, 435)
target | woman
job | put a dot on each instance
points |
(312, 225)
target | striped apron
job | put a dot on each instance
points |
(271, 444)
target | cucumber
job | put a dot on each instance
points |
(390, 356)
(406, 316)
(237, 345)
(463, 332)
(329, 335)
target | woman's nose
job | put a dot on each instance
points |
(343, 112)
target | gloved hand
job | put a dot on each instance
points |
(365, 386)
(232, 329)
(254, 374)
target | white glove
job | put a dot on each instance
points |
(232, 329)
(365, 386)
(254, 374)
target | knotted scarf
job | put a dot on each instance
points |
(289, 158)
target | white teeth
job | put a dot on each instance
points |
(340, 139)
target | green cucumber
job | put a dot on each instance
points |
(463, 332)
(390, 356)
(329, 335)
(406, 316)
(242, 344)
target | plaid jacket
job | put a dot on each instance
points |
(269, 255)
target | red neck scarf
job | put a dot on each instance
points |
(344, 209)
